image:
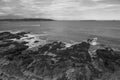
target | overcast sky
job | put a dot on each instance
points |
(62, 9)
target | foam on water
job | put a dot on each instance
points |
(32, 40)
(35, 39)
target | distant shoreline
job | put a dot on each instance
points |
(40, 19)
(28, 19)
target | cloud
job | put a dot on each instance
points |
(97, 0)
(1, 13)
(108, 1)
(6, 0)
(61, 9)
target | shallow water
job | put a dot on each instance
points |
(108, 32)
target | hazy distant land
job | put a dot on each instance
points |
(46, 19)
(27, 19)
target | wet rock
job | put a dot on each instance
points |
(35, 78)
(12, 70)
(12, 49)
(55, 61)
(80, 52)
(24, 61)
(65, 57)
(109, 58)
(84, 46)
(9, 35)
(52, 47)
(22, 33)
(108, 54)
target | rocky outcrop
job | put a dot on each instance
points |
(9, 35)
(55, 61)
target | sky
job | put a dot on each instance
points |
(61, 9)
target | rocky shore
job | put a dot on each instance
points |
(24, 56)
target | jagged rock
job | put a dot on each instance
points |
(23, 61)
(84, 46)
(55, 61)
(12, 70)
(109, 57)
(13, 48)
(9, 35)
(34, 78)
(50, 47)
(108, 54)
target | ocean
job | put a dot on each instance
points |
(107, 32)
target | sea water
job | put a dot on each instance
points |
(107, 32)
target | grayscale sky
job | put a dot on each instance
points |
(61, 9)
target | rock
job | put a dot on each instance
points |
(9, 35)
(13, 48)
(84, 46)
(65, 57)
(12, 70)
(80, 51)
(22, 33)
(109, 58)
(107, 54)
(50, 47)
(55, 61)
(24, 60)
(34, 78)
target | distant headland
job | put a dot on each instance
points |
(27, 19)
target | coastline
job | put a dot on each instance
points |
(25, 56)
(36, 39)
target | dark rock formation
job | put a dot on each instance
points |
(55, 61)
(110, 57)
(9, 35)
